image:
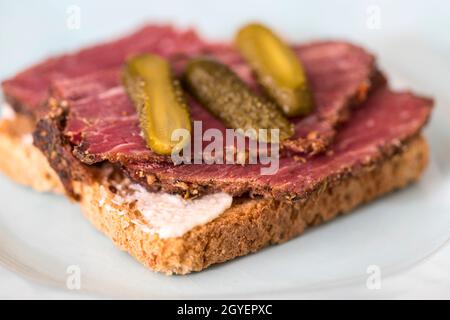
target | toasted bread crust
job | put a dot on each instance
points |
(21, 161)
(249, 225)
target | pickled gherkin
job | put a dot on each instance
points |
(227, 97)
(159, 101)
(277, 68)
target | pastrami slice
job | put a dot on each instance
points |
(29, 89)
(340, 75)
(376, 131)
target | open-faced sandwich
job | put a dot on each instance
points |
(188, 153)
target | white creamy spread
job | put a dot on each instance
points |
(167, 215)
(171, 216)
(27, 139)
(7, 112)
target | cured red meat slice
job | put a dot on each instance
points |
(340, 75)
(376, 130)
(28, 90)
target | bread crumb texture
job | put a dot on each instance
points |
(21, 161)
(250, 224)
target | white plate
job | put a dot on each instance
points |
(42, 235)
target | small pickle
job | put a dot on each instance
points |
(159, 101)
(277, 68)
(224, 94)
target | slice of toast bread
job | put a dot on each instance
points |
(21, 161)
(249, 225)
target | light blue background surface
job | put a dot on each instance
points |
(31, 30)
